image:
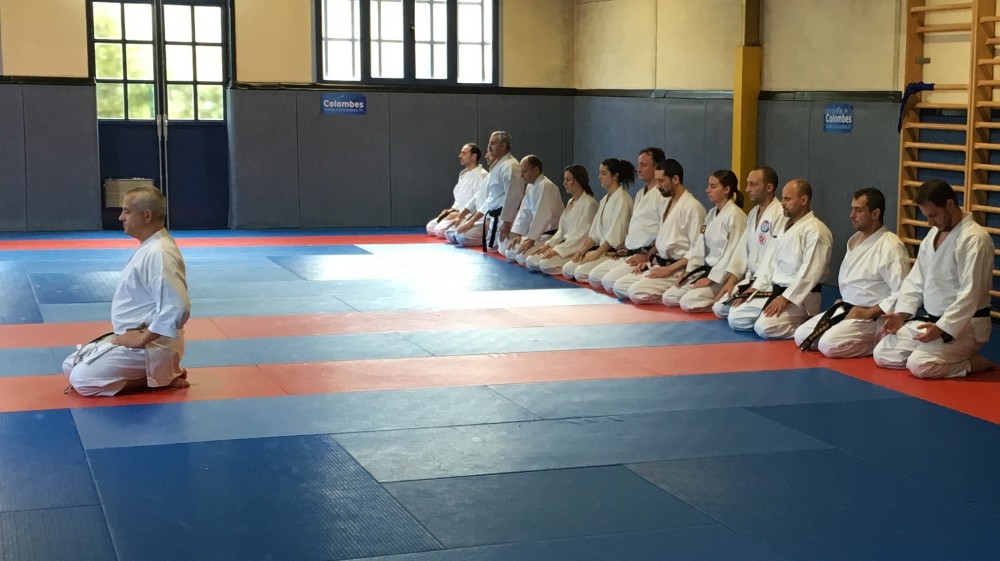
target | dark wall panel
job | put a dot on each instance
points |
(263, 159)
(13, 192)
(426, 132)
(344, 164)
(607, 127)
(836, 164)
(535, 124)
(61, 158)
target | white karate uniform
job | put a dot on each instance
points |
(756, 238)
(799, 260)
(871, 274)
(610, 227)
(681, 226)
(647, 212)
(152, 293)
(952, 282)
(540, 212)
(502, 189)
(719, 241)
(465, 191)
(574, 225)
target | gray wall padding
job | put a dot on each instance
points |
(426, 132)
(695, 132)
(343, 164)
(263, 160)
(61, 158)
(536, 125)
(13, 192)
(837, 165)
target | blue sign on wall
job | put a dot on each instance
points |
(838, 117)
(343, 104)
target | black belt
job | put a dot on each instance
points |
(661, 261)
(945, 336)
(494, 214)
(769, 294)
(695, 275)
(742, 292)
(550, 233)
(825, 323)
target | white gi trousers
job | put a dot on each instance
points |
(748, 316)
(552, 266)
(851, 338)
(581, 271)
(936, 359)
(472, 237)
(641, 289)
(104, 369)
(620, 270)
(597, 274)
(691, 299)
(438, 229)
(510, 252)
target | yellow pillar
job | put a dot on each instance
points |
(746, 92)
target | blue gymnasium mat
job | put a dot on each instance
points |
(77, 534)
(452, 300)
(202, 308)
(360, 346)
(196, 421)
(591, 398)
(470, 511)
(18, 305)
(941, 448)
(530, 339)
(830, 505)
(33, 361)
(42, 463)
(300, 498)
(698, 543)
(530, 446)
(74, 287)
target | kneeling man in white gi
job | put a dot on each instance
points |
(951, 280)
(148, 312)
(870, 278)
(787, 289)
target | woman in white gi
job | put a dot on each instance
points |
(710, 256)
(574, 224)
(608, 231)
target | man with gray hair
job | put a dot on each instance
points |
(148, 311)
(498, 201)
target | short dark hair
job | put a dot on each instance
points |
(935, 191)
(874, 200)
(804, 187)
(533, 161)
(476, 151)
(769, 176)
(671, 167)
(656, 153)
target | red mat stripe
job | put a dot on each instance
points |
(269, 241)
(251, 327)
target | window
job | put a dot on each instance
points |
(141, 64)
(424, 41)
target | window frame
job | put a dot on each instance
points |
(409, 49)
(160, 70)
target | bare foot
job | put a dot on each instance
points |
(978, 363)
(180, 382)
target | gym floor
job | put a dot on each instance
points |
(380, 395)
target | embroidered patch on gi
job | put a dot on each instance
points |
(765, 226)
(702, 228)
(762, 239)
